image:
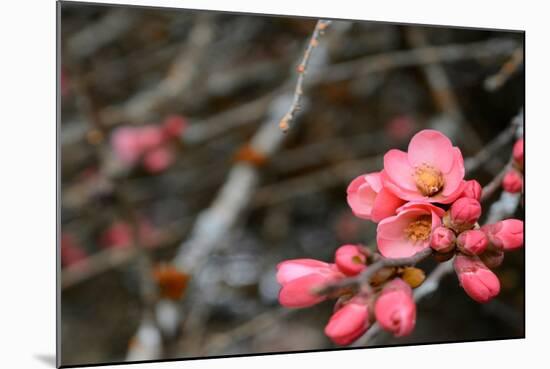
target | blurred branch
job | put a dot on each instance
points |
(509, 68)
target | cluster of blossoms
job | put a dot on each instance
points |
(148, 144)
(420, 200)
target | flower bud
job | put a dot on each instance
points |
(443, 239)
(395, 309)
(478, 281)
(506, 234)
(492, 257)
(173, 126)
(349, 322)
(512, 181)
(472, 190)
(472, 242)
(464, 213)
(157, 160)
(413, 276)
(299, 279)
(517, 152)
(350, 260)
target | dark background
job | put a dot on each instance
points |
(110, 55)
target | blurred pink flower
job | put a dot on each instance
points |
(478, 281)
(71, 251)
(395, 309)
(368, 199)
(408, 232)
(158, 160)
(173, 126)
(299, 278)
(517, 151)
(472, 242)
(126, 144)
(400, 127)
(506, 234)
(432, 170)
(149, 137)
(512, 181)
(349, 322)
(350, 260)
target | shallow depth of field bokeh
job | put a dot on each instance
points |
(222, 76)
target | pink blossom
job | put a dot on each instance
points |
(368, 199)
(443, 239)
(472, 242)
(395, 309)
(512, 181)
(478, 281)
(126, 144)
(465, 212)
(120, 234)
(350, 260)
(472, 189)
(149, 137)
(349, 322)
(408, 232)
(157, 160)
(299, 278)
(400, 127)
(432, 170)
(71, 251)
(174, 125)
(506, 234)
(517, 151)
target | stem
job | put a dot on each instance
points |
(372, 269)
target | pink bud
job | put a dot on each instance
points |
(472, 242)
(517, 151)
(512, 181)
(350, 260)
(478, 281)
(300, 277)
(174, 125)
(465, 212)
(506, 234)
(158, 160)
(395, 309)
(443, 239)
(119, 235)
(348, 323)
(492, 257)
(472, 190)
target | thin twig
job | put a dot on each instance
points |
(321, 25)
(372, 269)
(509, 68)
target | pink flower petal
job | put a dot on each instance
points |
(398, 170)
(385, 205)
(433, 148)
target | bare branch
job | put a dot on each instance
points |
(321, 25)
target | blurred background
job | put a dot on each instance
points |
(179, 190)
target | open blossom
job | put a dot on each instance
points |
(349, 322)
(478, 281)
(408, 232)
(395, 309)
(506, 234)
(350, 260)
(300, 277)
(432, 170)
(368, 199)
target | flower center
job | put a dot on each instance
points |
(420, 229)
(429, 180)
